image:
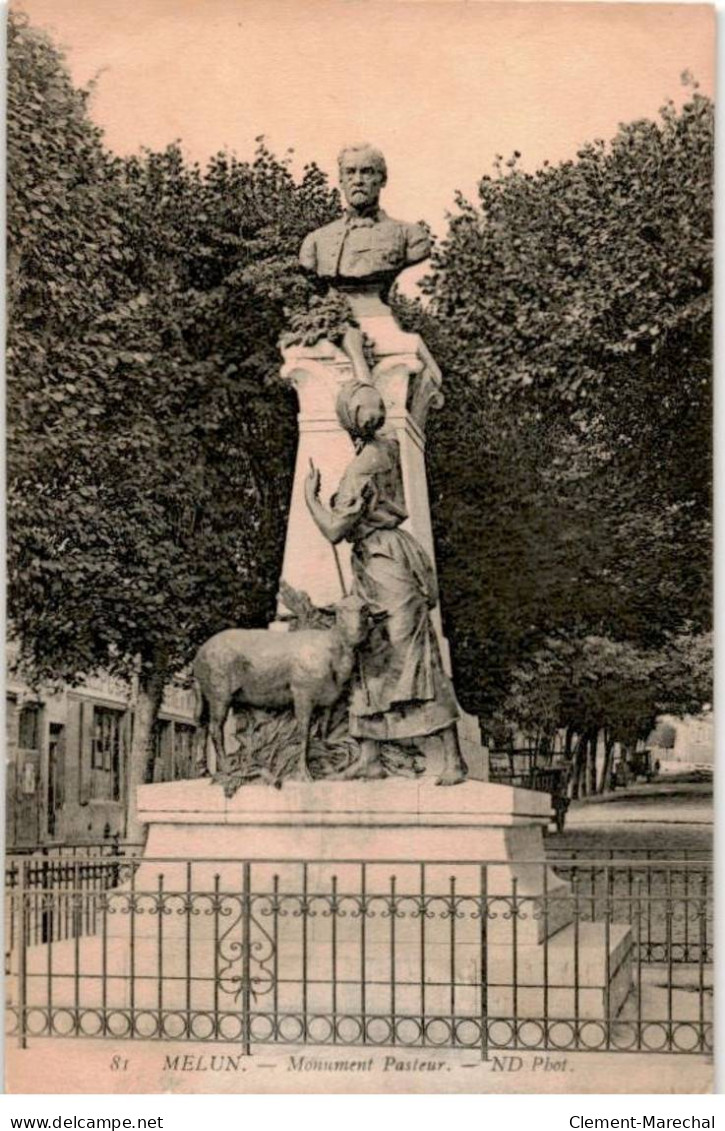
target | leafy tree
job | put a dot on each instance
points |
(570, 309)
(151, 447)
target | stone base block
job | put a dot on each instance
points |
(480, 837)
(150, 974)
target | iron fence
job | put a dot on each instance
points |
(592, 955)
(671, 891)
(64, 869)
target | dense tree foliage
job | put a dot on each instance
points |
(150, 446)
(571, 310)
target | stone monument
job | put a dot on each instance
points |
(364, 401)
(389, 377)
(465, 859)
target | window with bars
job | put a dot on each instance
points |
(184, 736)
(11, 721)
(174, 751)
(29, 727)
(106, 743)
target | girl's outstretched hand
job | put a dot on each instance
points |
(312, 484)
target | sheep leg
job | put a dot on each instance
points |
(325, 722)
(303, 715)
(202, 759)
(200, 766)
(218, 756)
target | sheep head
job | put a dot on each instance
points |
(352, 617)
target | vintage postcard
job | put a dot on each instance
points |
(359, 726)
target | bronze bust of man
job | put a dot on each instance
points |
(365, 249)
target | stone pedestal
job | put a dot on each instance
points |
(410, 383)
(333, 828)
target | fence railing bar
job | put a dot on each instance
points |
(49, 969)
(216, 929)
(247, 957)
(275, 944)
(363, 953)
(649, 860)
(577, 917)
(668, 948)
(160, 951)
(483, 958)
(77, 931)
(393, 909)
(104, 965)
(22, 897)
(452, 943)
(686, 883)
(702, 910)
(423, 972)
(187, 948)
(545, 911)
(608, 957)
(515, 956)
(305, 957)
(132, 955)
(333, 928)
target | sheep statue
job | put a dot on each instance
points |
(305, 669)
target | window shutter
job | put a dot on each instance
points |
(60, 768)
(126, 740)
(85, 732)
(12, 716)
(166, 744)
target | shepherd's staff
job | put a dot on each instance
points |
(341, 579)
(336, 556)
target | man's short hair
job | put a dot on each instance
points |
(377, 157)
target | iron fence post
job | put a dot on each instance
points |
(483, 896)
(608, 955)
(22, 955)
(246, 959)
(46, 918)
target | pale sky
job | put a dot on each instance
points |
(440, 87)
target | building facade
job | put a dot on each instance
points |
(686, 743)
(67, 758)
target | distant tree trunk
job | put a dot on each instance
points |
(143, 743)
(568, 740)
(592, 763)
(577, 777)
(605, 783)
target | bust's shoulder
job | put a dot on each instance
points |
(319, 237)
(417, 240)
(327, 230)
(412, 229)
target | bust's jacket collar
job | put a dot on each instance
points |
(352, 220)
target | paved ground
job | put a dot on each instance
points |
(663, 816)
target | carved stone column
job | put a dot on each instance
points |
(410, 383)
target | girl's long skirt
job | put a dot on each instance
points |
(401, 689)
